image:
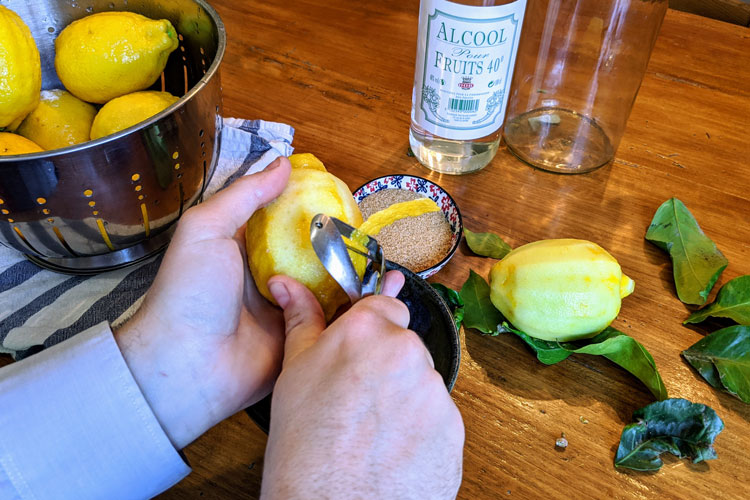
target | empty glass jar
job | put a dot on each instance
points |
(579, 68)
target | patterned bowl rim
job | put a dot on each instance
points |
(425, 273)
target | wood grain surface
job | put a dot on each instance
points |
(731, 11)
(341, 73)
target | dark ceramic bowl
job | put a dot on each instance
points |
(426, 188)
(430, 319)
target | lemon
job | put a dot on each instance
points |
(306, 160)
(60, 120)
(20, 70)
(560, 290)
(106, 55)
(125, 111)
(13, 144)
(278, 235)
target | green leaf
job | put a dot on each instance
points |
(453, 300)
(614, 345)
(677, 426)
(723, 359)
(486, 244)
(479, 313)
(547, 352)
(626, 352)
(732, 301)
(696, 261)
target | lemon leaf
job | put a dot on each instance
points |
(486, 244)
(547, 352)
(696, 261)
(626, 352)
(723, 359)
(677, 426)
(453, 300)
(732, 301)
(479, 313)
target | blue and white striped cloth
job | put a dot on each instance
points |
(39, 308)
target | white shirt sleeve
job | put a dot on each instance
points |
(74, 424)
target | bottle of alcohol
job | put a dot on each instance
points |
(466, 51)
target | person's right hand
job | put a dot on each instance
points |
(359, 410)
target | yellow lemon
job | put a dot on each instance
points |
(306, 160)
(20, 70)
(60, 120)
(13, 144)
(123, 112)
(560, 290)
(278, 235)
(106, 55)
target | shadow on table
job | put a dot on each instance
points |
(580, 380)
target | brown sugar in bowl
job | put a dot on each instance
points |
(422, 244)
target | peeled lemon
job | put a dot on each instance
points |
(13, 144)
(125, 111)
(20, 70)
(60, 120)
(559, 289)
(109, 54)
(278, 235)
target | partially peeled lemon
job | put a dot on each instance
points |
(559, 289)
(278, 235)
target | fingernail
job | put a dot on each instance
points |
(274, 164)
(280, 293)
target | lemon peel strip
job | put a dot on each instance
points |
(413, 208)
(377, 221)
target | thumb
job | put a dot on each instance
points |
(303, 315)
(223, 213)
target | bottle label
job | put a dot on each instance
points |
(465, 60)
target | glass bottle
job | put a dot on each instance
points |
(466, 51)
(580, 65)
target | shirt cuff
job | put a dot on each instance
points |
(75, 425)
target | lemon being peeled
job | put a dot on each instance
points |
(125, 111)
(106, 55)
(60, 120)
(20, 70)
(13, 144)
(278, 235)
(559, 290)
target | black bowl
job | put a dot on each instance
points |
(430, 319)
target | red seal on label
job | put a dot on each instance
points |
(466, 83)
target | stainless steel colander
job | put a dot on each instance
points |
(111, 202)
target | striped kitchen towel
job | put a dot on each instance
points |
(39, 308)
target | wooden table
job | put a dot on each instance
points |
(341, 73)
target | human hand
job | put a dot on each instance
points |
(205, 344)
(359, 410)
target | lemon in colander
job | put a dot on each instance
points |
(20, 70)
(60, 120)
(109, 54)
(125, 111)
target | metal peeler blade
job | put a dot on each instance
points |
(326, 238)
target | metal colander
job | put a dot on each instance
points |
(111, 202)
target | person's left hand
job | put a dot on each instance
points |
(205, 344)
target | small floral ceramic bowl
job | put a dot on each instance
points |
(426, 188)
